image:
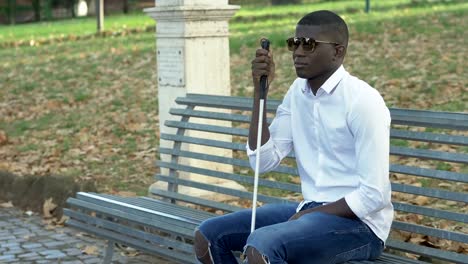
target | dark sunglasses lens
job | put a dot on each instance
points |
(308, 44)
(292, 44)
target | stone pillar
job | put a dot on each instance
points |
(193, 57)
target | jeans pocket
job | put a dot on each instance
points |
(360, 253)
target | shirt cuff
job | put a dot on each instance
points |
(356, 204)
(265, 147)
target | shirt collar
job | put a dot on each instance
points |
(330, 83)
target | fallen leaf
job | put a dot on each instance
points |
(417, 239)
(3, 138)
(126, 194)
(445, 185)
(61, 221)
(90, 250)
(295, 179)
(6, 205)
(421, 200)
(130, 254)
(48, 208)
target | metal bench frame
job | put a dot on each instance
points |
(163, 224)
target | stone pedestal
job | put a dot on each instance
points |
(193, 57)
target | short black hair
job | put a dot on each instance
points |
(332, 24)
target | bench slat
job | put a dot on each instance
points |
(119, 205)
(195, 200)
(223, 160)
(425, 118)
(235, 103)
(126, 230)
(158, 222)
(437, 193)
(430, 231)
(243, 132)
(427, 251)
(429, 137)
(222, 190)
(162, 206)
(210, 115)
(170, 254)
(231, 176)
(390, 258)
(204, 142)
(386, 258)
(429, 154)
(429, 173)
(408, 208)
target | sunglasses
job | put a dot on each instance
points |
(308, 44)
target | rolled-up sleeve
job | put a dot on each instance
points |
(280, 143)
(370, 125)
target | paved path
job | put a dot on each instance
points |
(26, 239)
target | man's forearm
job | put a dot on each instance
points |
(339, 208)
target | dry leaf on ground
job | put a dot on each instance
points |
(3, 138)
(48, 207)
(61, 221)
(126, 194)
(90, 250)
(421, 200)
(6, 205)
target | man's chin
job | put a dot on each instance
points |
(301, 74)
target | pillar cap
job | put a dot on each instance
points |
(192, 13)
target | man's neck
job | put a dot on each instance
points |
(317, 82)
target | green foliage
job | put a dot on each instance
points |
(399, 142)
(444, 166)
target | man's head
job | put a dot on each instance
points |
(320, 44)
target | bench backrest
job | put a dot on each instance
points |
(428, 171)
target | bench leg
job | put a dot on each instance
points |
(109, 252)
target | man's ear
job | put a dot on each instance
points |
(340, 51)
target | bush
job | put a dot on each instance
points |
(285, 2)
(263, 2)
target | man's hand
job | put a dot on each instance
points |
(339, 208)
(263, 64)
(296, 216)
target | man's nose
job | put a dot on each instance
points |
(299, 51)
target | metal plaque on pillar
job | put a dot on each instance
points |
(171, 66)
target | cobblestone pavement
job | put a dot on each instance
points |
(26, 239)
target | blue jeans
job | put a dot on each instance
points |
(313, 238)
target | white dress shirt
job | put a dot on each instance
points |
(340, 138)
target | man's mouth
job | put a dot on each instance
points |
(300, 65)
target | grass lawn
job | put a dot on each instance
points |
(88, 108)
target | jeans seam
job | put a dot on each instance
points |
(341, 255)
(356, 230)
(215, 242)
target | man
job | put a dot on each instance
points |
(339, 128)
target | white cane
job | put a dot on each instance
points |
(265, 43)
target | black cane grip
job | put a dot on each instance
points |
(265, 43)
